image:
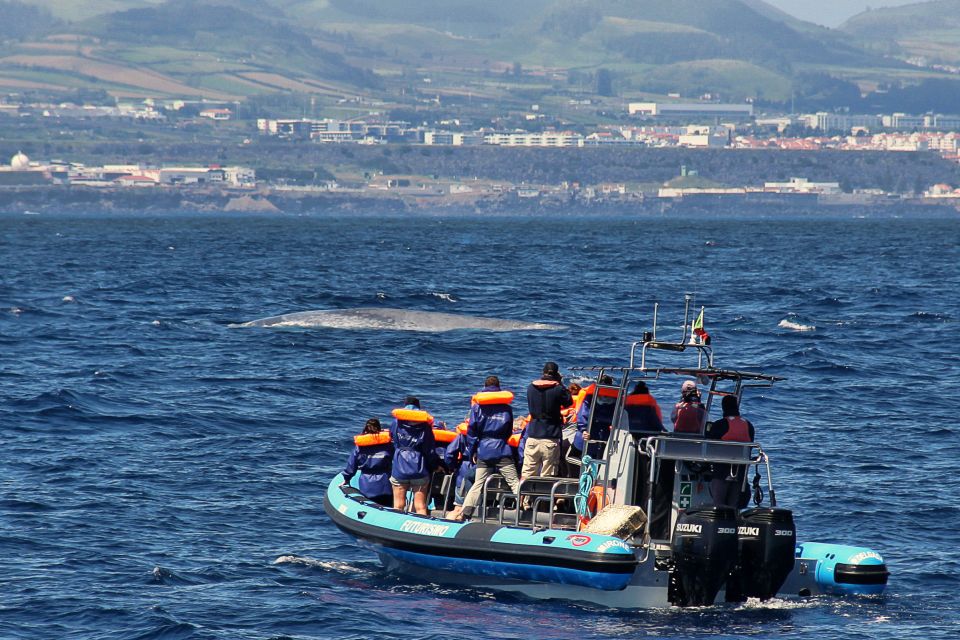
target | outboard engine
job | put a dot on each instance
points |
(767, 543)
(704, 550)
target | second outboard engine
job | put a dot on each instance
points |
(704, 550)
(767, 548)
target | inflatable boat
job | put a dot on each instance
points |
(639, 527)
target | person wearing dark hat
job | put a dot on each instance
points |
(546, 397)
(689, 414)
(728, 479)
(643, 412)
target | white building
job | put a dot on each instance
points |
(825, 121)
(451, 139)
(548, 139)
(802, 185)
(687, 110)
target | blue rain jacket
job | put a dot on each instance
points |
(491, 425)
(373, 462)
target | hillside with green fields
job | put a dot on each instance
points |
(426, 53)
(927, 29)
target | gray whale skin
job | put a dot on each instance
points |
(393, 319)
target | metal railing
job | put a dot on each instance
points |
(541, 493)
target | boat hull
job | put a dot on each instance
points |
(490, 552)
(557, 564)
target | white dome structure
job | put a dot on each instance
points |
(20, 162)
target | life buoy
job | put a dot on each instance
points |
(493, 397)
(444, 436)
(595, 501)
(370, 439)
(412, 415)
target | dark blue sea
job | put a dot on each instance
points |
(162, 471)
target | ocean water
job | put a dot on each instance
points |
(162, 471)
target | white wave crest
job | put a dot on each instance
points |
(69, 299)
(777, 603)
(796, 326)
(447, 297)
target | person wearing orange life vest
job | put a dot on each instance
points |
(458, 461)
(490, 426)
(413, 456)
(569, 413)
(689, 414)
(643, 412)
(606, 401)
(728, 479)
(372, 456)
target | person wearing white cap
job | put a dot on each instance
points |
(688, 415)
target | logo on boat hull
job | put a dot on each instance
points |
(613, 544)
(424, 528)
(578, 540)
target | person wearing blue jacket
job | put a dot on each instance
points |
(372, 456)
(457, 458)
(490, 425)
(414, 458)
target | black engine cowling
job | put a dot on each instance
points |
(704, 551)
(768, 540)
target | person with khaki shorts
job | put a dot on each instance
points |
(546, 397)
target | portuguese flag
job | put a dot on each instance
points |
(699, 331)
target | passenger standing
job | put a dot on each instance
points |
(605, 400)
(413, 458)
(727, 480)
(546, 398)
(372, 456)
(689, 414)
(458, 461)
(490, 427)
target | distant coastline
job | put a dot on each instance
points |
(41, 200)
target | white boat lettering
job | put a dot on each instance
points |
(748, 531)
(689, 528)
(610, 544)
(863, 555)
(726, 530)
(424, 528)
(783, 532)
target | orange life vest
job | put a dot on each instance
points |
(493, 397)
(462, 428)
(444, 436)
(369, 439)
(592, 389)
(643, 400)
(689, 417)
(412, 415)
(737, 430)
